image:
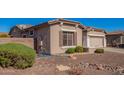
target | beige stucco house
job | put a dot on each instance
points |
(57, 36)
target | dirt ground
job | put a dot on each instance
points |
(47, 65)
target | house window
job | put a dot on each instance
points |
(31, 33)
(68, 38)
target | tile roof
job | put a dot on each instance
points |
(88, 28)
(116, 33)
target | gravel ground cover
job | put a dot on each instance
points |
(49, 65)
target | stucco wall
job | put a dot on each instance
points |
(54, 37)
(96, 33)
(79, 36)
(85, 39)
(122, 39)
(64, 26)
(25, 41)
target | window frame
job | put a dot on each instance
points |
(67, 35)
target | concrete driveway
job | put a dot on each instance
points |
(117, 50)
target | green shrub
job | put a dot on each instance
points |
(99, 50)
(79, 49)
(70, 50)
(18, 55)
(4, 62)
(4, 35)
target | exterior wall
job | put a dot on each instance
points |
(64, 26)
(26, 41)
(85, 39)
(54, 40)
(95, 33)
(122, 39)
(54, 37)
(79, 36)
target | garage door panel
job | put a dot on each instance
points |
(96, 42)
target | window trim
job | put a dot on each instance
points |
(67, 46)
(68, 30)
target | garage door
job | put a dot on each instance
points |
(96, 42)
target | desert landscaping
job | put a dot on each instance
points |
(109, 63)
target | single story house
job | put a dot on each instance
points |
(17, 31)
(58, 35)
(115, 39)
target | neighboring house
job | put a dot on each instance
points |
(115, 39)
(17, 31)
(57, 36)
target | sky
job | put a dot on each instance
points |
(108, 24)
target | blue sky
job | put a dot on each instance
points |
(109, 24)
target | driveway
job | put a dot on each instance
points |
(117, 50)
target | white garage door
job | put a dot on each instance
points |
(96, 42)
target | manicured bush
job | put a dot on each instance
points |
(79, 49)
(4, 62)
(99, 50)
(4, 35)
(17, 55)
(70, 50)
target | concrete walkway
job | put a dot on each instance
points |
(117, 50)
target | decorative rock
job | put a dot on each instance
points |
(100, 67)
(86, 65)
(72, 57)
(62, 68)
